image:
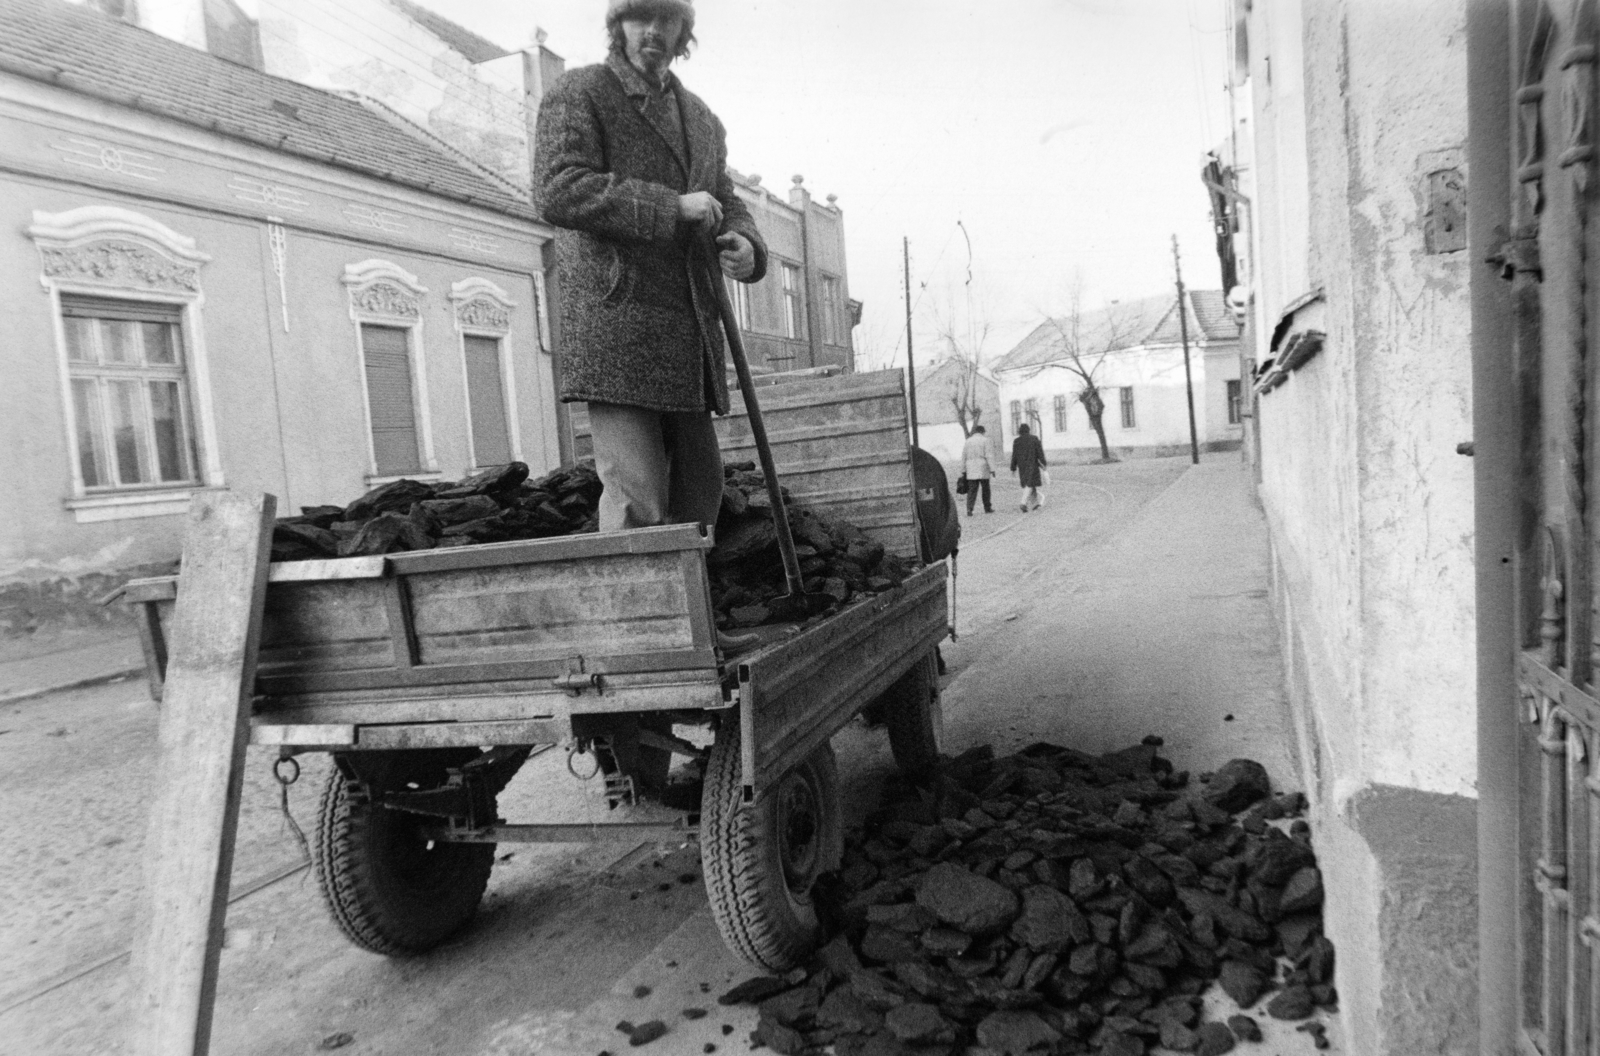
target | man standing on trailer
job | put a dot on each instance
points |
(631, 169)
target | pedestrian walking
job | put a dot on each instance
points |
(1027, 462)
(978, 469)
(632, 170)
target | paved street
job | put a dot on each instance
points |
(1133, 603)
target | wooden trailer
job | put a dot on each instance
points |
(431, 675)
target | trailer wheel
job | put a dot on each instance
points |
(387, 889)
(762, 858)
(914, 717)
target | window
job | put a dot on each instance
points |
(386, 354)
(1061, 414)
(793, 309)
(486, 401)
(1234, 409)
(130, 400)
(832, 312)
(1016, 417)
(1030, 408)
(1128, 420)
(739, 295)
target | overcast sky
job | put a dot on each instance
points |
(1065, 135)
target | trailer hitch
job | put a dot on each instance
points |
(468, 794)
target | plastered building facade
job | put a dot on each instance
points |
(191, 307)
(1351, 122)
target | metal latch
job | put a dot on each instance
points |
(576, 679)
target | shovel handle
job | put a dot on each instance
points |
(758, 428)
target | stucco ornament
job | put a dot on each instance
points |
(481, 305)
(380, 288)
(383, 298)
(117, 248)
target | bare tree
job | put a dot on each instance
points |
(965, 341)
(1083, 345)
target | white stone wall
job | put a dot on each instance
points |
(1352, 104)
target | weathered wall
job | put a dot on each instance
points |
(287, 404)
(368, 46)
(1370, 509)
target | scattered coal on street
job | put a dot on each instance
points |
(1057, 902)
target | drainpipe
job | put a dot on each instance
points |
(800, 198)
(540, 68)
(1494, 439)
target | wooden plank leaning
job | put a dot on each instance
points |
(205, 724)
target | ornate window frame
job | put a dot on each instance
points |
(108, 251)
(481, 308)
(383, 293)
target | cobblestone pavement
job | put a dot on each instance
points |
(1133, 603)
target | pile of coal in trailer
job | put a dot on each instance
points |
(1053, 902)
(501, 504)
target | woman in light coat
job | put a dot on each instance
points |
(975, 456)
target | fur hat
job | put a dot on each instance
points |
(616, 9)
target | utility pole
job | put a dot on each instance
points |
(911, 358)
(1188, 378)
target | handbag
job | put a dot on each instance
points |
(1044, 478)
(961, 484)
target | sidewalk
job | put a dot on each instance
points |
(1136, 617)
(83, 661)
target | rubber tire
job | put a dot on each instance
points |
(915, 720)
(385, 889)
(764, 916)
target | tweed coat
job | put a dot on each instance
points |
(639, 323)
(1027, 458)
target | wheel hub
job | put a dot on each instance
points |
(798, 828)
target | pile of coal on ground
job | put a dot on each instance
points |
(500, 504)
(1056, 902)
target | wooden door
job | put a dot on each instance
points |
(1548, 261)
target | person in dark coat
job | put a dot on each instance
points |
(1027, 462)
(631, 169)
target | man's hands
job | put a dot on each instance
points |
(738, 256)
(702, 210)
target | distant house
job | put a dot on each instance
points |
(217, 278)
(1136, 350)
(944, 386)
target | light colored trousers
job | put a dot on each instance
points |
(658, 467)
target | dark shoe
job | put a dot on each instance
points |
(1023, 507)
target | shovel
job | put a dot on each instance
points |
(797, 604)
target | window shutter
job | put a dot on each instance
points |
(491, 440)
(386, 352)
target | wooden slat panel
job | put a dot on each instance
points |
(842, 447)
(803, 690)
(623, 604)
